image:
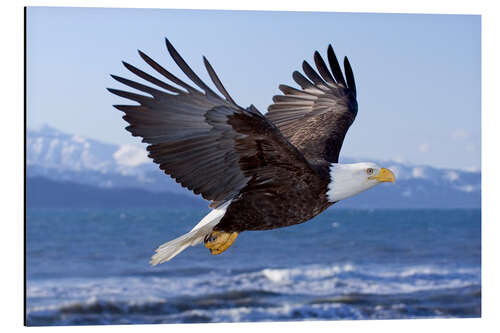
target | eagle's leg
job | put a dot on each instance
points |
(219, 241)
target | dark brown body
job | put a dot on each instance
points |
(293, 205)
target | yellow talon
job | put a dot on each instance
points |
(219, 241)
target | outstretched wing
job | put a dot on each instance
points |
(206, 142)
(316, 118)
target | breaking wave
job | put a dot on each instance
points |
(297, 293)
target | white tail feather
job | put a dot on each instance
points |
(170, 249)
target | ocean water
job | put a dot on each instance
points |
(90, 266)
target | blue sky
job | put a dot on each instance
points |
(418, 76)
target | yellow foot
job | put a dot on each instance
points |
(219, 241)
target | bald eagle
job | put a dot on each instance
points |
(258, 171)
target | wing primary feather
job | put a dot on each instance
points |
(349, 76)
(335, 67)
(287, 90)
(166, 73)
(135, 97)
(151, 79)
(322, 69)
(187, 70)
(138, 86)
(216, 81)
(311, 74)
(301, 80)
(294, 99)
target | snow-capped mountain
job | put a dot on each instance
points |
(58, 156)
(52, 148)
(64, 157)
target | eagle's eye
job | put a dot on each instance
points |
(369, 171)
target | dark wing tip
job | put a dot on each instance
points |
(330, 50)
(169, 45)
(171, 49)
(173, 52)
(146, 58)
(301, 80)
(128, 66)
(335, 66)
(187, 70)
(282, 87)
(116, 92)
(122, 108)
(141, 99)
(322, 69)
(351, 84)
(312, 74)
(215, 79)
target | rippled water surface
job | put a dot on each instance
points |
(91, 267)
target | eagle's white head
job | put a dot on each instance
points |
(347, 180)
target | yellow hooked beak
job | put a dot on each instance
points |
(385, 175)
